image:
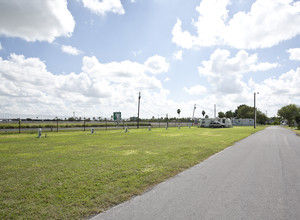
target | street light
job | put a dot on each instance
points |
(255, 108)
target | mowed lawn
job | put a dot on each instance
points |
(71, 175)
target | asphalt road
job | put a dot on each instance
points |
(257, 178)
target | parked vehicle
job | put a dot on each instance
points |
(205, 122)
(216, 124)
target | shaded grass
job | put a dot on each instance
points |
(297, 132)
(73, 175)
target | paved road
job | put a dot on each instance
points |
(257, 178)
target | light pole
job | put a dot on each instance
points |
(193, 115)
(255, 109)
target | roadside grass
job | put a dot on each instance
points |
(297, 131)
(71, 175)
(294, 129)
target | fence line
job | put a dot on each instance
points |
(22, 126)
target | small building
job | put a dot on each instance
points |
(204, 122)
(243, 122)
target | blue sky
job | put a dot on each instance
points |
(93, 57)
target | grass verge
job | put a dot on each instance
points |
(71, 175)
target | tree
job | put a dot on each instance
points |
(203, 113)
(229, 114)
(289, 112)
(275, 120)
(178, 112)
(261, 118)
(244, 111)
(221, 114)
(297, 119)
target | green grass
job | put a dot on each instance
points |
(297, 132)
(71, 175)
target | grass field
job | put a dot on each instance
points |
(71, 175)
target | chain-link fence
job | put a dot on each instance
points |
(23, 125)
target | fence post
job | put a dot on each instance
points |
(19, 125)
(57, 125)
(83, 125)
(106, 123)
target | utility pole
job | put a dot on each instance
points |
(255, 109)
(215, 111)
(167, 120)
(138, 119)
(193, 114)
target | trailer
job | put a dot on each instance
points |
(205, 122)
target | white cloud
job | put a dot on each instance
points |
(267, 23)
(195, 90)
(178, 55)
(157, 64)
(70, 50)
(277, 92)
(294, 53)
(99, 89)
(36, 21)
(26, 87)
(136, 53)
(104, 6)
(182, 38)
(286, 85)
(225, 74)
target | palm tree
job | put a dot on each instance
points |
(178, 112)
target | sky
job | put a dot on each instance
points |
(90, 58)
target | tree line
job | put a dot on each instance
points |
(291, 113)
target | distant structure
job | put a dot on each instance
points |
(243, 122)
(204, 122)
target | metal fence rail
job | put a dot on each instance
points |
(23, 126)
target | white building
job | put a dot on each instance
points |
(243, 122)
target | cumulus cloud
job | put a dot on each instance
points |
(294, 53)
(27, 87)
(178, 55)
(99, 89)
(36, 21)
(286, 85)
(225, 74)
(195, 90)
(267, 23)
(274, 92)
(70, 50)
(104, 6)
(157, 64)
(136, 53)
(277, 92)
